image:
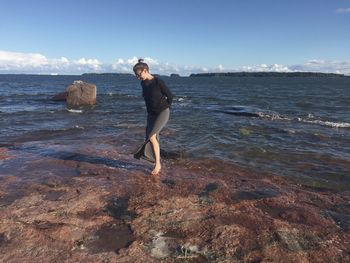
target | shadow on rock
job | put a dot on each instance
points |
(10, 198)
(204, 196)
(117, 207)
(3, 239)
(79, 157)
(254, 195)
(110, 237)
(54, 195)
(340, 215)
(173, 155)
(169, 182)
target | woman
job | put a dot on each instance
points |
(158, 100)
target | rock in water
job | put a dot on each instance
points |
(80, 94)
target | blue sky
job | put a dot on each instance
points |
(106, 35)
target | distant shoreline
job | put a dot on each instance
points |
(209, 74)
(267, 74)
(234, 74)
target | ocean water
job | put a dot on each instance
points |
(298, 128)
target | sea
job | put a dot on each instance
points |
(294, 127)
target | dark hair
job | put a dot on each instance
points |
(140, 66)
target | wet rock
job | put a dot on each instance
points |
(81, 93)
(53, 195)
(110, 237)
(254, 195)
(340, 214)
(342, 220)
(296, 214)
(43, 225)
(89, 162)
(277, 222)
(291, 240)
(90, 213)
(9, 198)
(204, 196)
(52, 182)
(295, 241)
(169, 182)
(117, 207)
(4, 154)
(211, 187)
(174, 234)
(173, 155)
(3, 239)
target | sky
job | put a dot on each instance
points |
(179, 36)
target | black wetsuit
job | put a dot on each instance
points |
(157, 95)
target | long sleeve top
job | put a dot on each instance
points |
(156, 94)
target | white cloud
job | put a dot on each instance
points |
(266, 68)
(312, 65)
(35, 63)
(132, 61)
(326, 66)
(93, 64)
(166, 68)
(343, 10)
(220, 68)
(16, 62)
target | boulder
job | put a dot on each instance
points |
(80, 94)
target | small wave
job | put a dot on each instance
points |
(182, 101)
(243, 111)
(20, 109)
(253, 112)
(328, 123)
(272, 116)
(75, 111)
(311, 121)
(120, 95)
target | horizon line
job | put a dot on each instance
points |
(200, 73)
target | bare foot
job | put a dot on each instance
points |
(156, 169)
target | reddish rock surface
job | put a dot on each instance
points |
(4, 154)
(90, 203)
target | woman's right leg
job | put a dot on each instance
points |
(160, 122)
(156, 151)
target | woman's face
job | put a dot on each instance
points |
(140, 74)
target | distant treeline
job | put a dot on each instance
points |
(267, 74)
(236, 74)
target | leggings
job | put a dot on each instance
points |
(155, 124)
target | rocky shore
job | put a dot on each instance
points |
(89, 201)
